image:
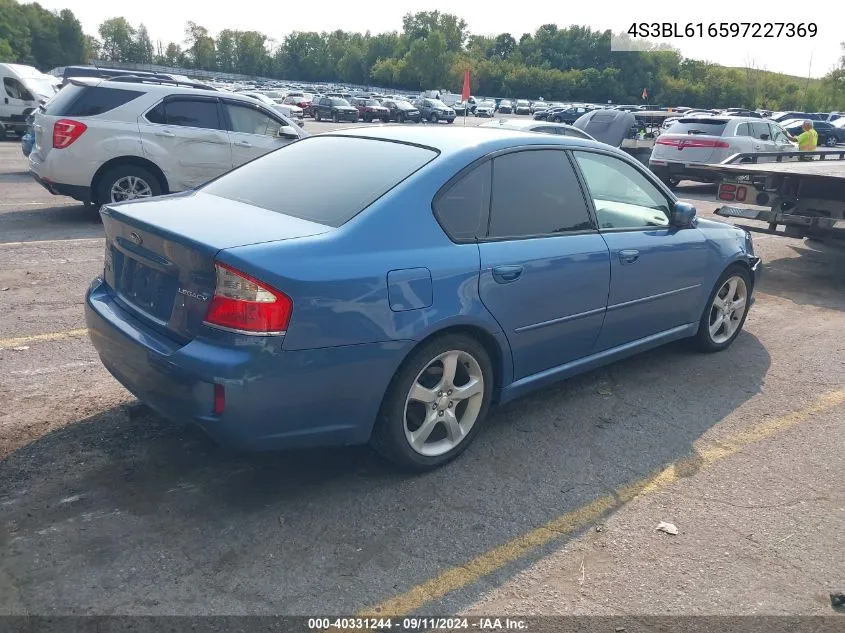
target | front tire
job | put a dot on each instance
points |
(317, 116)
(434, 118)
(335, 117)
(726, 310)
(127, 182)
(830, 141)
(435, 404)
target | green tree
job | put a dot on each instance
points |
(118, 40)
(71, 38)
(200, 45)
(424, 23)
(428, 60)
(143, 52)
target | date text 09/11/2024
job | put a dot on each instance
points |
(668, 30)
(456, 623)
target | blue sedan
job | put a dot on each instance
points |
(395, 300)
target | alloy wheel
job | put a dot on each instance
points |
(728, 309)
(130, 188)
(444, 403)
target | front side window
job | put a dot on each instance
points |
(251, 121)
(760, 130)
(15, 89)
(198, 113)
(623, 197)
(536, 193)
(463, 208)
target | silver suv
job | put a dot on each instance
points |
(706, 140)
(107, 141)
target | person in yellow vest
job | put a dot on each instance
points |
(808, 140)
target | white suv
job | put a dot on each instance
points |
(107, 141)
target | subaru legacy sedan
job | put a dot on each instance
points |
(393, 302)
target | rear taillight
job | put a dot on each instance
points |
(244, 304)
(682, 143)
(66, 131)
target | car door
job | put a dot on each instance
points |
(762, 140)
(781, 140)
(656, 270)
(253, 132)
(186, 137)
(545, 269)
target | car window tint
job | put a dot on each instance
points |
(623, 197)
(156, 115)
(251, 121)
(743, 129)
(192, 113)
(294, 180)
(463, 208)
(536, 193)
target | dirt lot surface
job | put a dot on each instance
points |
(106, 508)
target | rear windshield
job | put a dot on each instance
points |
(706, 125)
(88, 100)
(294, 180)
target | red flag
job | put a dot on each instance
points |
(465, 91)
(645, 94)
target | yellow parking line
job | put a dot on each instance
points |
(40, 338)
(495, 559)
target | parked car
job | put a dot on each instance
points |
(828, 134)
(543, 114)
(334, 109)
(538, 106)
(529, 125)
(460, 108)
(400, 110)
(505, 106)
(22, 90)
(485, 109)
(567, 115)
(106, 141)
(303, 101)
(438, 272)
(785, 116)
(28, 138)
(370, 109)
(694, 141)
(434, 110)
(522, 106)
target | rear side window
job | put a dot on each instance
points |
(89, 100)
(712, 127)
(536, 193)
(199, 113)
(759, 130)
(743, 129)
(294, 180)
(463, 208)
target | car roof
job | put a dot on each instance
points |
(453, 140)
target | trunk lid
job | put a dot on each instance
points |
(160, 253)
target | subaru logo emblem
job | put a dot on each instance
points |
(135, 237)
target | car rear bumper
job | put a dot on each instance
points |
(77, 192)
(665, 169)
(273, 399)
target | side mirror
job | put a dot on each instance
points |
(287, 131)
(683, 215)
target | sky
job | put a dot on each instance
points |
(165, 20)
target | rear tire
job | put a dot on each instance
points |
(400, 118)
(335, 117)
(130, 181)
(830, 141)
(723, 308)
(412, 404)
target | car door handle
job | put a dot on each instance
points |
(165, 133)
(506, 274)
(6, 100)
(243, 143)
(629, 256)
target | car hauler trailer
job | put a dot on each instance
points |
(804, 192)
